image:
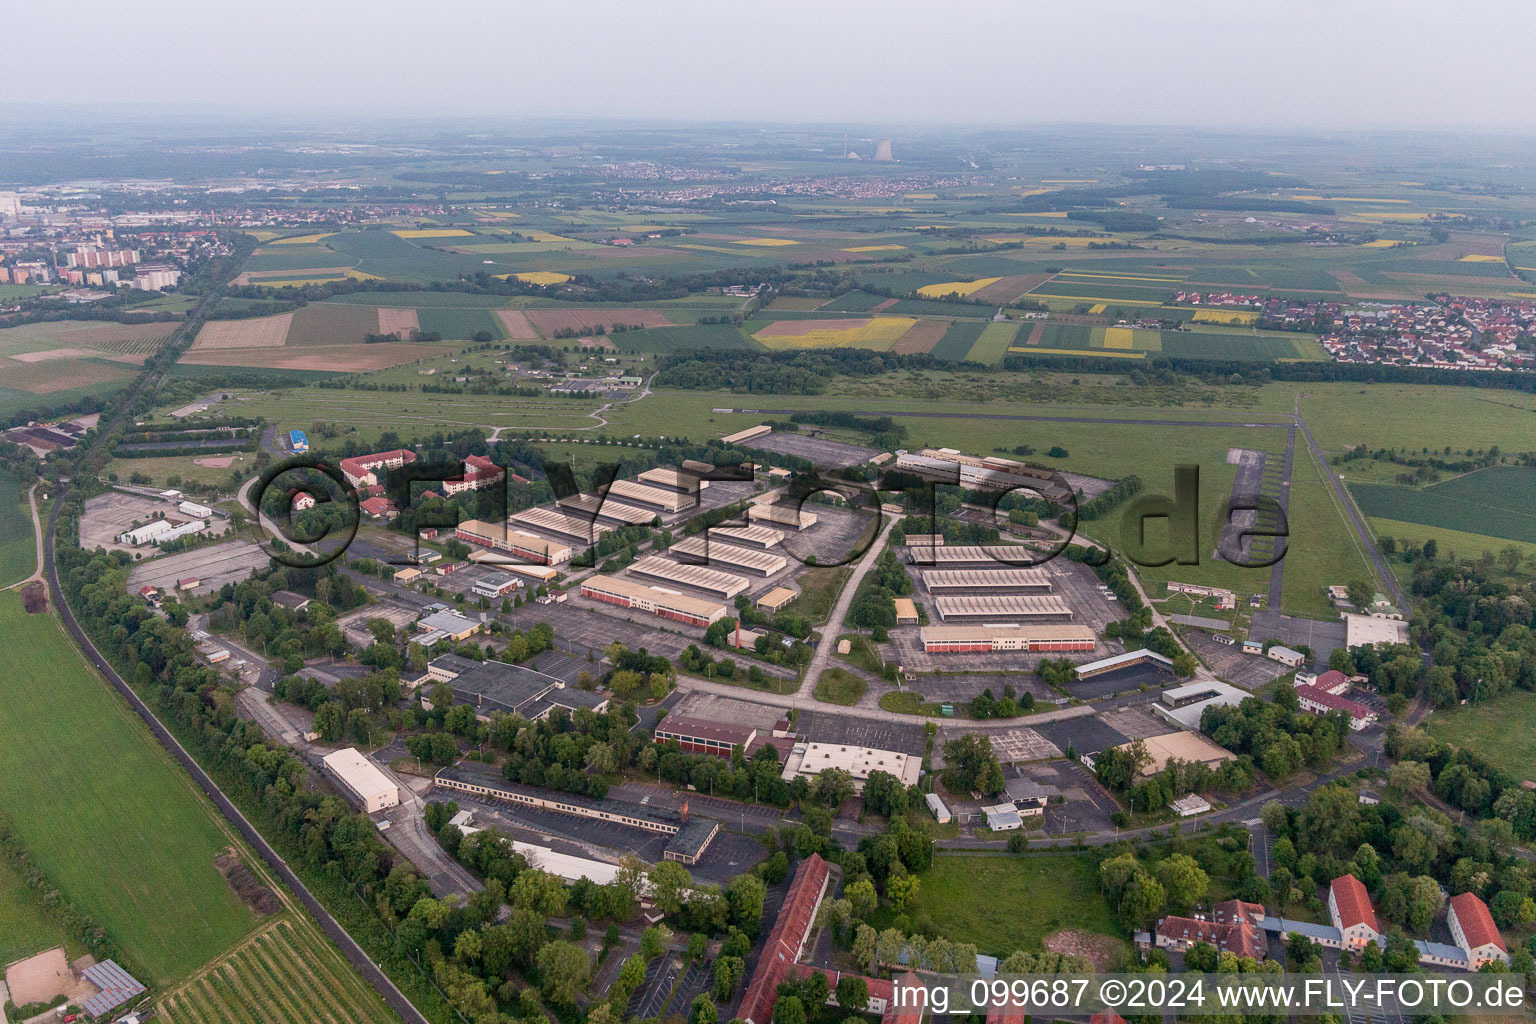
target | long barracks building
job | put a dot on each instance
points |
(991, 581)
(517, 542)
(994, 638)
(695, 611)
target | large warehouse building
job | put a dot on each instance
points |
(672, 480)
(517, 542)
(1002, 607)
(581, 531)
(661, 499)
(696, 550)
(752, 536)
(607, 510)
(361, 780)
(987, 581)
(712, 581)
(1005, 637)
(669, 604)
(782, 515)
(972, 556)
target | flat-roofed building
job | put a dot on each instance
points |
(497, 584)
(992, 638)
(1368, 630)
(669, 604)
(810, 759)
(605, 510)
(1143, 656)
(516, 542)
(494, 686)
(751, 536)
(973, 556)
(704, 736)
(991, 581)
(775, 599)
(906, 612)
(782, 515)
(750, 434)
(672, 480)
(361, 780)
(712, 581)
(688, 837)
(1001, 607)
(1286, 656)
(575, 528)
(659, 498)
(697, 550)
(1181, 746)
(453, 625)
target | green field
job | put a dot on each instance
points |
(993, 343)
(1465, 545)
(284, 974)
(460, 324)
(1502, 731)
(26, 927)
(671, 339)
(104, 812)
(839, 686)
(1139, 344)
(1494, 502)
(18, 544)
(958, 341)
(1004, 904)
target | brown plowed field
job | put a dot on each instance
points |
(257, 332)
(1008, 289)
(517, 325)
(921, 338)
(397, 321)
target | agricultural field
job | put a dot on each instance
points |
(877, 333)
(958, 341)
(1004, 904)
(285, 973)
(154, 886)
(1495, 502)
(1060, 339)
(201, 470)
(18, 543)
(460, 324)
(1502, 731)
(77, 356)
(671, 339)
(993, 344)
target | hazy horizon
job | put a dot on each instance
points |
(1308, 66)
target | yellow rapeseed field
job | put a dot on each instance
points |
(542, 277)
(875, 248)
(938, 291)
(432, 233)
(1225, 316)
(765, 241)
(302, 239)
(921, 195)
(1383, 243)
(1119, 337)
(1478, 257)
(1097, 307)
(1079, 352)
(879, 334)
(542, 236)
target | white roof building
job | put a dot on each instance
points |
(362, 780)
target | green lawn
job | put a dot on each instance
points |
(1003, 904)
(839, 686)
(818, 593)
(1502, 730)
(25, 926)
(104, 812)
(18, 544)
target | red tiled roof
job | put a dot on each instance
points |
(1353, 903)
(789, 933)
(1331, 679)
(1233, 928)
(911, 1012)
(357, 465)
(1333, 702)
(1476, 923)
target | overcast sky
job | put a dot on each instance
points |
(1224, 63)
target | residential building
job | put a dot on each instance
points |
(362, 470)
(1233, 927)
(1475, 933)
(1350, 910)
(1317, 701)
(361, 780)
(787, 940)
(478, 472)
